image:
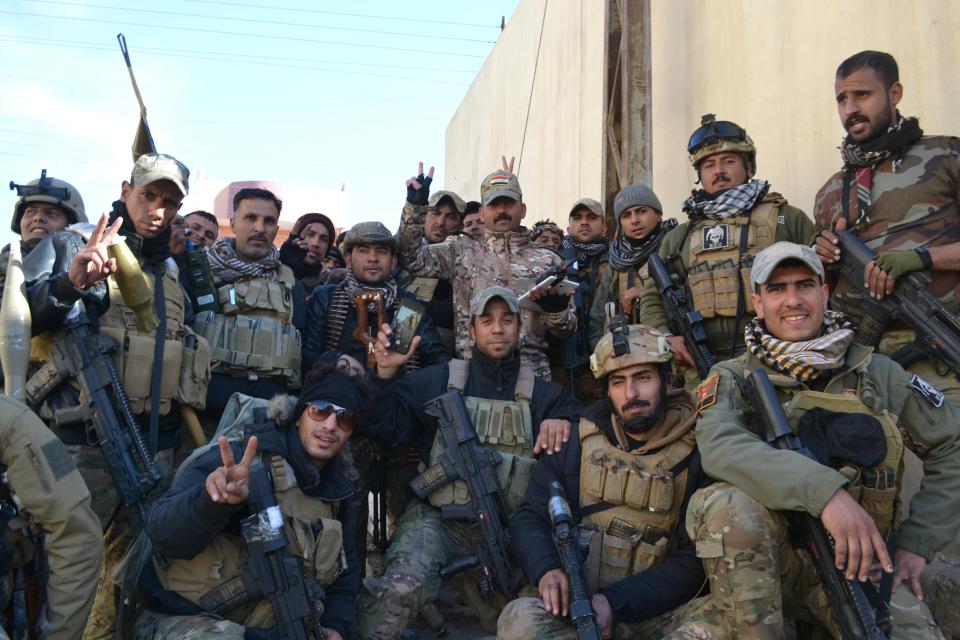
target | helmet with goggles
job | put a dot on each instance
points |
(51, 191)
(627, 345)
(719, 136)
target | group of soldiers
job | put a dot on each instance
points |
(306, 379)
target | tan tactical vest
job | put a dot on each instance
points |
(253, 334)
(504, 425)
(186, 371)
(215, 571)
(645, 497)
(874, 488)
(716, 266)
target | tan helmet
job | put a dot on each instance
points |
(636, 344)
(52, 190)
(718, 136)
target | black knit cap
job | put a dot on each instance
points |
(335, 388)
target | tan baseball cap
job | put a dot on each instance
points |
(479, 301)
(587, 203)
(768, 259)
(153, 167)
(500, 184)
(370, 233)
(457, 201)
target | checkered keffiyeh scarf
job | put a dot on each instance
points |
(626, 252)
(227, 266)
(731, 202)
(388, 288)
(860, 160)
(802, 360)
(584, 250)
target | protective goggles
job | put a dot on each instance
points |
(320, 410)
(712, 132)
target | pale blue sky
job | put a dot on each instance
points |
(249, 90)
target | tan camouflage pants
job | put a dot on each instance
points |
(158, 626)
(121, 526)
(755, 579)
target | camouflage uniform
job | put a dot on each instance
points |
(780, 480)
(155, 626)
(45, 482)
(791, 224)
(913, 205)
(506, 259)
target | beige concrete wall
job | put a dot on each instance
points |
(766, 64)
(562, 156)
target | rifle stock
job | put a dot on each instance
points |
(858, 611)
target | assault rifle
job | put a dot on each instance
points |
(468, 460)
(270, 571)
(681, 319)
(937, 329)
(105, 409)
(566, 540)
(858, 610)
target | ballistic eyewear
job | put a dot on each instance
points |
(320, 410)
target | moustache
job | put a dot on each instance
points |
(634, 404)
(721, 178)
(502, 216)
(852, 120)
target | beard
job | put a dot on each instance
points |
(878, 125)
(639, 425)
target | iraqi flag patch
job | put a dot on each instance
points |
(499, 180)
(707, 392)
(933, 395)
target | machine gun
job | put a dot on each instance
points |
(270, 571)
(681, 319)
(858, 610)
(466, 459)
(104, 410)
(567, 542)
(937, 329)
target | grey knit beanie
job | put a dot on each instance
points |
(635, 195)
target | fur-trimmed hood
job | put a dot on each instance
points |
(281, 411)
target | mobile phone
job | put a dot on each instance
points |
(405, 323)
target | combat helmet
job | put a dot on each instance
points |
(627, 345)
(718, 136)
(51, 190)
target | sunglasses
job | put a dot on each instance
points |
(320, 410)
(712, 132)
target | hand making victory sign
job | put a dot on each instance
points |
(92, 264)
(229, 484)
(418, 186)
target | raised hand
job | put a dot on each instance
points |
(388, 360)
(92, 264)
(418, 187)
(229, 484)
(507, 166)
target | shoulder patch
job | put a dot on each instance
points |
(60, 461)
(933, 395)
(707, 392)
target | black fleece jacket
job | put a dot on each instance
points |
(185, 520)
(395, 414)
(664, 586)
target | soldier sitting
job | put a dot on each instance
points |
(829, 386)
(195, 526)
(255, 335)
(628, 472)
(512, 412)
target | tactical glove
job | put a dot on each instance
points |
(897, 263)
(554, 303)
(420, 196)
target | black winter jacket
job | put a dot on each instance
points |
(431, 351)
(185, 520)
(664, 586)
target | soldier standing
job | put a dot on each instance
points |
(42, 483)
(65, 276)
(306, 247)
(640, 228)
(504, 257)
(898, 192)
(629, 471)
(254, 336)
(864, 410)
(512, 411)
(731, 218)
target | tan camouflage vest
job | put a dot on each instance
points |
(186, 371)
(253, 334)
(645, 496)
(504, 425)
(716, 266)
(874, 488)
(214, 573)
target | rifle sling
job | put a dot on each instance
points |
(603, 505)
(741, 296)
(156, 376)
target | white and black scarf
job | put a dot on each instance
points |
(626, 252)
(804, 360)
(584, 250)
(227, 265)
(732, 202)
(388, 288)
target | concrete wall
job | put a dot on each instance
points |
(561, 158)
(767, 65)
